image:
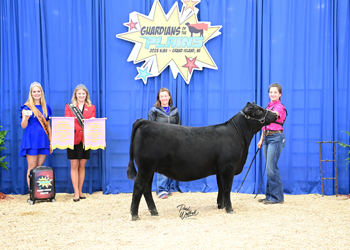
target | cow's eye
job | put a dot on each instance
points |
(259, 112)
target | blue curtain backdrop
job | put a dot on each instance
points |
(303, 45)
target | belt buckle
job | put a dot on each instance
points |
(269, 132)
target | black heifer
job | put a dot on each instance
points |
(196, 28)
(191, 153)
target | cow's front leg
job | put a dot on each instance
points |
(149, 199)
(227, 178)
(220, 199)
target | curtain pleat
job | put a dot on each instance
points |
(303, 45)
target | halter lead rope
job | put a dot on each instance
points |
(248, 170)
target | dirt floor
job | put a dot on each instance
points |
(104, 222)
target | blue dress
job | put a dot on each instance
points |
(35, 141)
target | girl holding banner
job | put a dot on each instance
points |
(37, 131)
(80, 108)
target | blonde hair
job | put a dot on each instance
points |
(74, 97)
(42, 99)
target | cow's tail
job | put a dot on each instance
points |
(131, 171)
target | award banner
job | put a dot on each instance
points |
(95, 133)
(62, 132)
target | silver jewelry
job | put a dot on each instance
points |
(35, 84)
(81, 86)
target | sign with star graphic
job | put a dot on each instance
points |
(176, 39)
(44, 182)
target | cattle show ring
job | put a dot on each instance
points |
(186, 220)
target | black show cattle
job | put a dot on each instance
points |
(197, 28)
(191, 153)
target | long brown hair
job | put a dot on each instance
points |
(158, 103)
(42, 99)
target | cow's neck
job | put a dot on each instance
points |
(246, 128)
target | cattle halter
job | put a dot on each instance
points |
(262, 120)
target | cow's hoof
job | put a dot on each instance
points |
(221, 206)
(135, 217)
(154, 212)
(230, 211)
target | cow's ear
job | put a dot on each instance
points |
(253, 102)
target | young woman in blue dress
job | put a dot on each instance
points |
(37, 130)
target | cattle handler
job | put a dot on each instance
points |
(273, 141)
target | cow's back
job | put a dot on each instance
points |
(183, 153)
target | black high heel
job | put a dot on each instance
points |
(76, 200)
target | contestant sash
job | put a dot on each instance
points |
(95, 133)
(44, 123)
(76, 111)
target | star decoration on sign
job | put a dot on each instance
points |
(132, 25)
(190, 4)
(44, 182)
(176, 39)
(191, 64)
(143, 74)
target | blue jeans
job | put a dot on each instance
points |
(166, 185)
(273, 146)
